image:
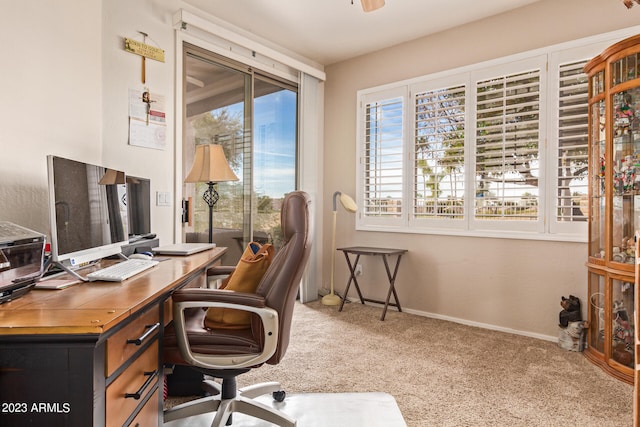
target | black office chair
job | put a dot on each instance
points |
(226, 353)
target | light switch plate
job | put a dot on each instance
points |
(163, 198)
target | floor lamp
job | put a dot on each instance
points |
(210, 165)
(350, 206)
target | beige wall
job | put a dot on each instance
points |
(64, 84)
(506, 284)
(50, 98)
(122, 70)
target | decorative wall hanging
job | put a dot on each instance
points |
(144, 50)
(147, 119)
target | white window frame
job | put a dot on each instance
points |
(547, 226)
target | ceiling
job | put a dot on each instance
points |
(329, 31)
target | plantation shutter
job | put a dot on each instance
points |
(493, 149)
(382, 160)
(438, 169)
(507, 147)
(572, 157)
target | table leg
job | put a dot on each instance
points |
(392, 285)
(352, 278)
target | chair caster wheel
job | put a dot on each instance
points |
(279, 396)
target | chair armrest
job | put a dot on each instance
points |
(205, 298)
(220, 270)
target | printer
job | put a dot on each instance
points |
(21, 260)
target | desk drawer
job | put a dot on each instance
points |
(121, 401)
(128, 340)
(149, 415)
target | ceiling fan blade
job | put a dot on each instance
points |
(371, 5)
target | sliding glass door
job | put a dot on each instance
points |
(274, 154)
(254, 117)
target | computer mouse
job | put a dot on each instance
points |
(140, 256)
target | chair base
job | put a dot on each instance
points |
(242, 403)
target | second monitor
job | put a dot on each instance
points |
(138, 203)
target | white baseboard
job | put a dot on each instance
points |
(482, 325)
(468, 322)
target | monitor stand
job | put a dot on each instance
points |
(73, 272)
(67, 270)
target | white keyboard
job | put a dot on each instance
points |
(122, 270)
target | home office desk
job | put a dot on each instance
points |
(384, 253)
(91, 354)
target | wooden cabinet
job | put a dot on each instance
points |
(90, 354)
(614, 209)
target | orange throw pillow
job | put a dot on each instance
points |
(252, 265)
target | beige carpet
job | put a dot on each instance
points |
(445, 374)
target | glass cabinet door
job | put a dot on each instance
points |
(625, 69)
(597, 228)
(622, 328)
(596, 312)
(626, 184)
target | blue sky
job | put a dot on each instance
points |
(274, 142)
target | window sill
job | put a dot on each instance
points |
(489, 234)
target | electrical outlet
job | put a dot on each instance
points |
(359, 270)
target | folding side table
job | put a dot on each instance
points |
(384, 253)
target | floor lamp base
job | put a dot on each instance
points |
(331, 299)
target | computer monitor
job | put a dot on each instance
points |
(138, 203)
(86, 210)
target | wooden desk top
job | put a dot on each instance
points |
(95, 307)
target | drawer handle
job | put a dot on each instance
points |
(150, 331)
(138, 394)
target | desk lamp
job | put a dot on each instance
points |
(210, 165)
(350, 206)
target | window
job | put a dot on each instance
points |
(572, 163)
(508, 146)
(254, 117)
(494, 149)
(438, 168)
(382, 179)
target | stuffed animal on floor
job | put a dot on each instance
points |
(572, 337)
(570, 312)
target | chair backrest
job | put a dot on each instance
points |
(281, 281)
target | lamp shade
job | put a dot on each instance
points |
(111, 177)
(348, 203)
(371, 5)
(210, 165)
